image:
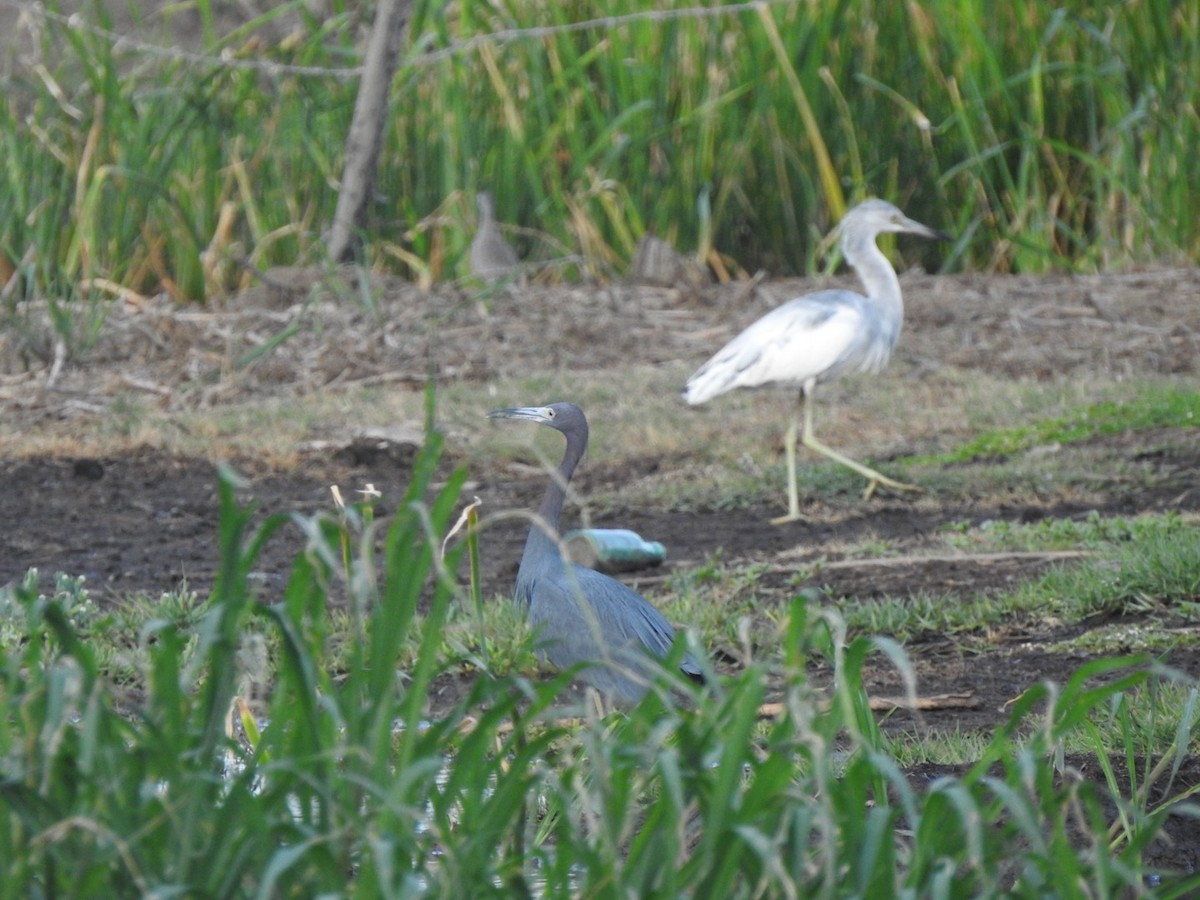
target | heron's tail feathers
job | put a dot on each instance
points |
(704, 385)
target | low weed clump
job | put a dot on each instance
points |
(1090, 532)
(1129, 566)
(343, 784)
(1160, 407)
(1159, 572)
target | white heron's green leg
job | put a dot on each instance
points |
(789, 449)
(874, 479)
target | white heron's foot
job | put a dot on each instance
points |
(790, 517)
(874, 479)
(877, 480)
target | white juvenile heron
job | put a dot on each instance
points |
(819, 336)
(491, 257)
(578, 614)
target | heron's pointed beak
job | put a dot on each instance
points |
(526, 413)
(912, 226)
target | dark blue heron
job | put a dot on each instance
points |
(580, 615)
(819, 336)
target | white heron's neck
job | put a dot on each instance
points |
(878, 277)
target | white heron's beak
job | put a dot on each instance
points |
(912, 226)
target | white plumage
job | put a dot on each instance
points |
(820, 336)
(816, 336)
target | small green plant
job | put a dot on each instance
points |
(1160, 571)
(1160, 408)
(1094, 531)
(69, 594)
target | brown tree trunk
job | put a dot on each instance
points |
(366, 129)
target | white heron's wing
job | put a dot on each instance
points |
(813, 337)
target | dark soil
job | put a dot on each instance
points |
(147, 523)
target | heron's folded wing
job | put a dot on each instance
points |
(613, 619)
(809, 337)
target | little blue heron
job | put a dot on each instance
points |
(492, 259)
(580, 615)
(818, 336)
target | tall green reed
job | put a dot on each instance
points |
(1026, 131)
(1049, 136)
(157, 173)
(716, 801)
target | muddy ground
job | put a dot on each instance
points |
(141, 519)
(147, 522)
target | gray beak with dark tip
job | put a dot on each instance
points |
(541, 414)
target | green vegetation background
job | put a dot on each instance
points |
(1042, 135)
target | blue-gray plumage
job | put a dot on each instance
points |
(820, 336)
(579, 615)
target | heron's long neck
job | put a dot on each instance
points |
(487, 210)
(552, 501)
(878, 278)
